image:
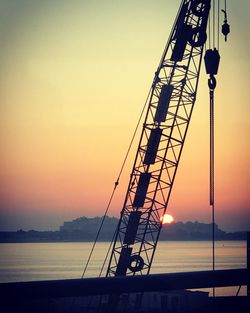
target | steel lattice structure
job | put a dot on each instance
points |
(170, 107)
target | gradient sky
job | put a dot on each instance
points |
(73, 79)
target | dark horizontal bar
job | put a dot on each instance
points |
(125, 284)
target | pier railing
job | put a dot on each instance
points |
(129, 284)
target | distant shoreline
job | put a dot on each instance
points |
(84, 229)
(59, 237)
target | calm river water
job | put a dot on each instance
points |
(44, 261)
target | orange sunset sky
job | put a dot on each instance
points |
(73, 79)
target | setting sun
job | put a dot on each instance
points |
(167, 219)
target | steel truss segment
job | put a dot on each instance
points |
(163, 135)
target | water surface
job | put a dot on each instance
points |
(46, 261)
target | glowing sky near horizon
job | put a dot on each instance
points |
(73, 79)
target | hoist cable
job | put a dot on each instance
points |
(116, 184)
(213, 24)
(209, 35)
(218, 27)
(212, 175)
(211, 147)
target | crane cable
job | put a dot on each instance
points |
(214, 23)
(212, 64)
(212, 85)
(218, 25)
(211, 93)
(225, 33)
(113, 192)
(212, 59)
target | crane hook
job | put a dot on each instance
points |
(225, 29)
(212, 82)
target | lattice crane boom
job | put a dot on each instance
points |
(170, 106)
